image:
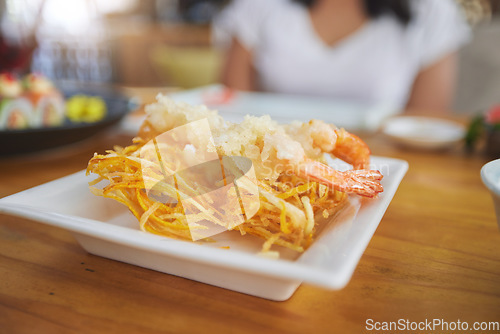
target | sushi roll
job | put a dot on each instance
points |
(48, 102)
(15, 112)
(48, 111)
(10, 86)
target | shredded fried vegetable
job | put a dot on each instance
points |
(273, 178)
(286, 216)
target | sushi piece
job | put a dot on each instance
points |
(15, 112)
(48, 102)
(10, 86)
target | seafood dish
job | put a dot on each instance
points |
(35, 102)
(190, 174)
(32, 102)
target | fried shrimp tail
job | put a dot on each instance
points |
(361, 182)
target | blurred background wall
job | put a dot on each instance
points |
(479, 76)
(167, 42)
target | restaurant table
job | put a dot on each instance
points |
(434, 257)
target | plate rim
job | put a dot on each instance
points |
(420, 141)
(333, 278)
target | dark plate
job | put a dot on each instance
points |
(31, 140)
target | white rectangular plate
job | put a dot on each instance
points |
(106, 228)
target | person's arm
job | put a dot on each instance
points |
(238, 71)
(434, 87)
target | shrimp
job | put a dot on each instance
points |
(320, 137)
(362, 182)
(275, 149)
(287, 155)
(351, 149)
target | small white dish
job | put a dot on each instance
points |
(423, 132)
(106, 228)
(490, 174)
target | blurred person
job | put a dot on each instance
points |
(401, 53)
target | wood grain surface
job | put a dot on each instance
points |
(435, 255)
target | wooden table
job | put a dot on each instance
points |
(435, 255)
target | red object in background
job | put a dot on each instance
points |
(492, 121)
(493, 115)
(15, 58)
(221, 96)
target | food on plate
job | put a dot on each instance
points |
(10, 86)
(35, 102)
(283, 165)
(15, 112)
(83, 108)
(47, 100)
(29, 103)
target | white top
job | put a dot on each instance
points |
(377, 64)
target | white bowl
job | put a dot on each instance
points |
(423, 132)
(490, 173)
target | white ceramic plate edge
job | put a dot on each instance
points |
(333, 278)
(393, 127)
